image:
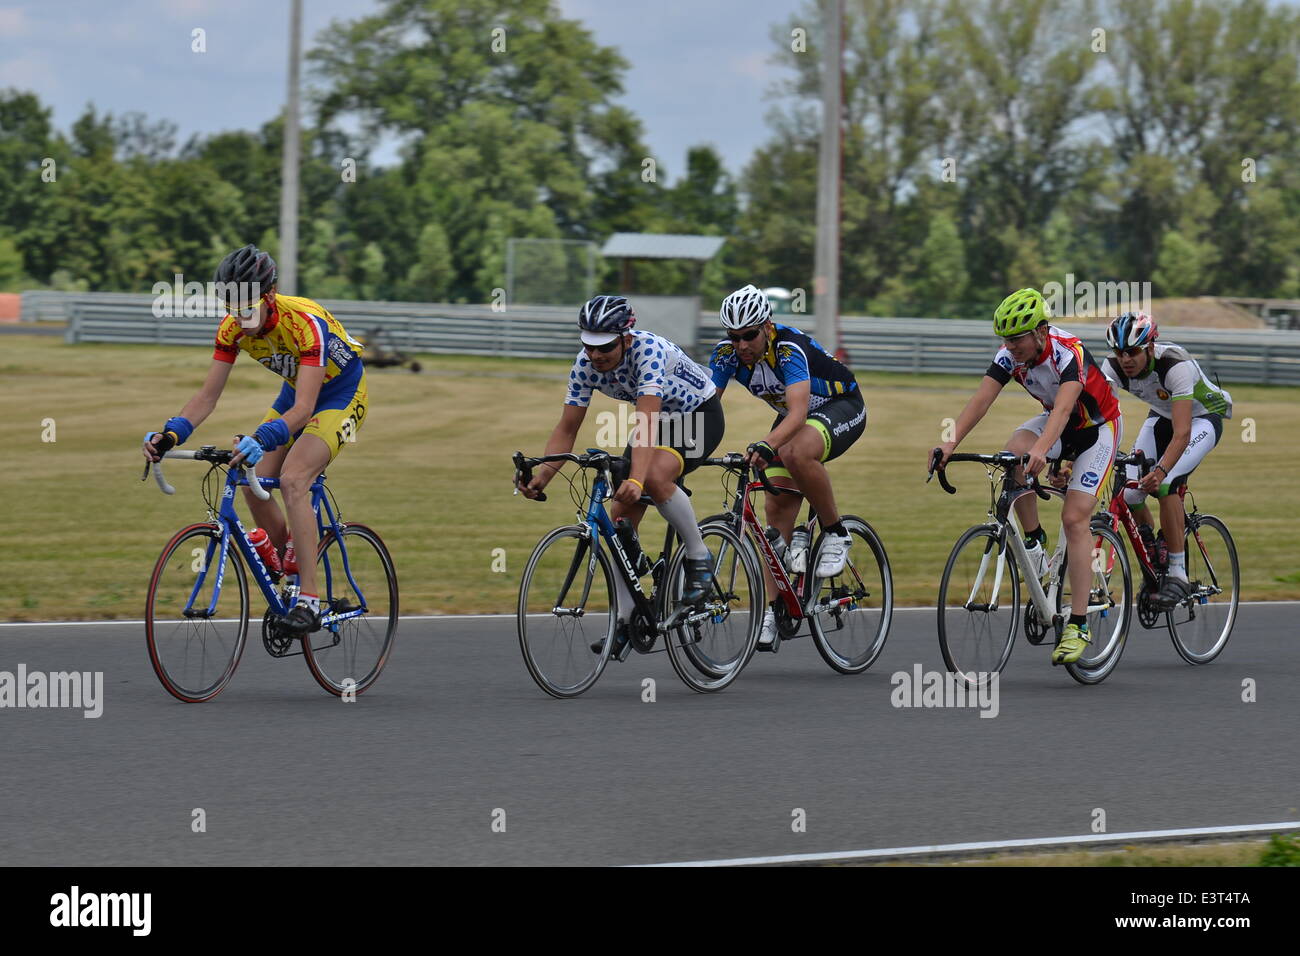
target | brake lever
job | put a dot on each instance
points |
(942, 473)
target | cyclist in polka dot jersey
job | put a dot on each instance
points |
(679, 423)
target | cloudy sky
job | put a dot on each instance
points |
(700, 70)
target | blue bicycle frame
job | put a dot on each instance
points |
(232, 531)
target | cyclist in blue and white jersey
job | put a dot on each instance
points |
(819, 415)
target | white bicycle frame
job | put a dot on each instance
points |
(1044, 601)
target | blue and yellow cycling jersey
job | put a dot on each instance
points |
(298, 333)
(792, 357)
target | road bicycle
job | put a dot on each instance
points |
(979, 595)
(848, 614)
(196, 626)
(568, 611)
(1202, 622)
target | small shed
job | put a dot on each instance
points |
(630, 246)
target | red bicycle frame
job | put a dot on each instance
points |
(789, 592)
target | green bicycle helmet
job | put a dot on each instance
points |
(1022, 311)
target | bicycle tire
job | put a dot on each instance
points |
(995, 651)
(706, 657)
(335, 664)
(1089, 673)
(190, 633)
(862, 580)
(573, 648)
(1197, 565)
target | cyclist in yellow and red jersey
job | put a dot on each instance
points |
(1081, 421)
(321, 404)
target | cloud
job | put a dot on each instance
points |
(755, 66)
(12, 22)
(28, 72)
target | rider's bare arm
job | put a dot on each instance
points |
(1066, 397)
(204, 401)
(796, 403)
(305, 395)
(1182, 417)
(643, 436)
(561, 442)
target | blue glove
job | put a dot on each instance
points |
(182, 428)
(271, 435)
(250, 449)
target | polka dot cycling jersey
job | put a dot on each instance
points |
(652, 366)
(1064, 359)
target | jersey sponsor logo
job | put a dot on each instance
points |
(1089, 479)
(1005, 362)
(685, 371)
(842, 427)
(282, 364)
(340, 353)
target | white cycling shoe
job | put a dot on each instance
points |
(834, 552)
(767, 637)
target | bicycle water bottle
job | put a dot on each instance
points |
(261, 543)
(797, 556)
(1037, 558)
(1149, 542)
(778, 543)
(1162, 551)
(635, 556)
(290, 559)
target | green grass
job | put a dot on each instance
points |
(1237, 853)
(431, 472)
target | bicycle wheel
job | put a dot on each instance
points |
(851, 614)
(195, 654)
(358, 611)
(710, 649)
(979, 605)
(1201, 625)
(566, 604)
(1110, 606)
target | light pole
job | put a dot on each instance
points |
(288, 261)
(826, 268)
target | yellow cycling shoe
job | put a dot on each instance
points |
(1070, 647)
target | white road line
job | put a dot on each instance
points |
(992, 845)
(487, 617)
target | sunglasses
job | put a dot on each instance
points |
(242, 312)
(603, 349)
(1013, 339)
(745, 336)
(1133, 352)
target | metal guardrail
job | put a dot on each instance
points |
(914, 345)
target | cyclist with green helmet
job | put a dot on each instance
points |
(1080, 422)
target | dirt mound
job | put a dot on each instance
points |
(1205, 312)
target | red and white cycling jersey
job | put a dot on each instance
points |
(1063, 359)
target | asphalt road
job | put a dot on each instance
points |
(413, 771)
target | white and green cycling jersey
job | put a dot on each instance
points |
(1172, 375)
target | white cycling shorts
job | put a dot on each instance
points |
(1091, 449)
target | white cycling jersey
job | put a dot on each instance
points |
(652, 366)
(1172, 375)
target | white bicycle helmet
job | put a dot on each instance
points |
(745, 308)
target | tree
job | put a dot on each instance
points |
(1181, 266)
(509, 123)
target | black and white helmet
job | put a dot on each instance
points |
(745, 308)
(604, 318)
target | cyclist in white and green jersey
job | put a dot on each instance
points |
(1186, 421)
